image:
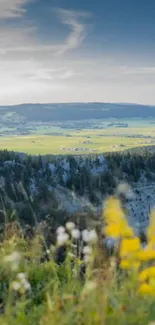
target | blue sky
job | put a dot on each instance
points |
(79, 50)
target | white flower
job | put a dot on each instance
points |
(23, 282)
(89, 236)
(93, 236)
(87, 258)
(48, 252)
(75, 233)
(21, 276)
(70, 226)
(16, 286)
(62, 239)
(13, 259)
(60, 230)
(26, 285)
(85, 235)
(87, 250)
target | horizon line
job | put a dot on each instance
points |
(77, 102)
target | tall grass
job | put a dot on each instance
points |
(76, 281)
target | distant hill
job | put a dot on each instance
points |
(73, 111)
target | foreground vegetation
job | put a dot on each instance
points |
(77, 280)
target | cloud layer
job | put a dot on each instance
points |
(34, 69)
(23, 40)
(12, 8)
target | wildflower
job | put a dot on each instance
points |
(14, 257)
(62, 238)
(75, 233)
(85, 235)
(113, 208)
(21, 284)
(147, 254)
(146, 288)
(60, 230)
(147, 273)
(16, 286)
(21, 276)
(87, 250)
(129, 264)
(89, 236)
(87, 258)
(70, 226)
(129, 250)
(113, 230)
(26, 285)
(125, 264)
(48, 252)
(14, 260)
(115, 222)
(92, 236)
(131, 246)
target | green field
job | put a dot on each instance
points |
(84, 141)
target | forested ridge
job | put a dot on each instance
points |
(38, 186)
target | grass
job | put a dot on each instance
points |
(44, 144)
(37, 290)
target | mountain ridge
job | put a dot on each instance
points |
(76, 111)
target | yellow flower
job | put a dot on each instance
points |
(127, 231)
(147, 273)
(147, 289)
(130, 246)
(129, 264)
(125, 264)
(147, 254)
(112, 210)
(114, 217)
(113, 230)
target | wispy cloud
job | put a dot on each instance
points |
(34, 68)
(25, 40)
(141, 70)
(78, 29)
(12, 8)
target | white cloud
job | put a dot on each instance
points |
(68, 80)
(25, 39)
(78, 29)
(12, 8)
(35, 71)
(12, 39)
(141, 70)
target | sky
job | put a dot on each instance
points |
(77, 51)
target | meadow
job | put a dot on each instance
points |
(90, 286)
(72, 141)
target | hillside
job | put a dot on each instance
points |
(62, 187)
(72, 111)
